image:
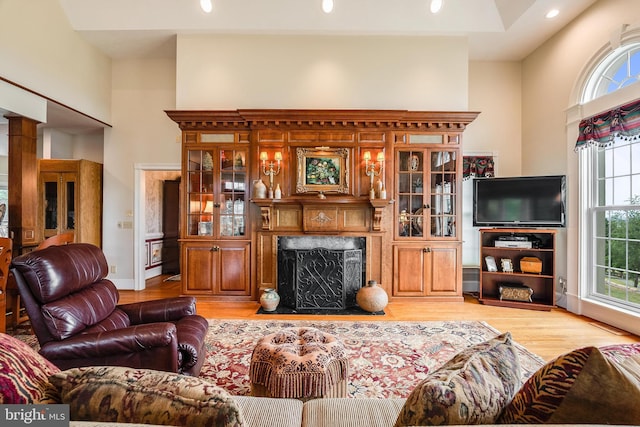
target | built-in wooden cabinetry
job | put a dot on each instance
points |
(535, 244)
(411, 234)
(215, 238)
(427, 214)
(70, 199)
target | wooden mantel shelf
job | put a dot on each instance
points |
(267, 206)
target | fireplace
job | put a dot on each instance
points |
(320, 272)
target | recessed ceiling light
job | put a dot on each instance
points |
(206, 5)
(552, 13)
(436, 5)
(327, 6)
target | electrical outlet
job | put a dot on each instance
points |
(113, 269)
(563, 284)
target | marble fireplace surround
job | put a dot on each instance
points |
(320, 272)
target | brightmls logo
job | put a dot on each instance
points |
(34, 415)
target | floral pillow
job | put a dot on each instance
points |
(24, 374)
(472, 388)
(580, 387)
(119, 394)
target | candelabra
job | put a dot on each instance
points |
(370, 169)
(268, 168)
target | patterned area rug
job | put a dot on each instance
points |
(386, 359)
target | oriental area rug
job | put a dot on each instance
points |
(386, 359)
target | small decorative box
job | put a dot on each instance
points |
(515, 292)
(531, 264)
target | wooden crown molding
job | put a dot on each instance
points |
(327, 119)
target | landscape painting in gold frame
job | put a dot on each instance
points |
(323, 170)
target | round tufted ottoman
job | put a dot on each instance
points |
(299, 363)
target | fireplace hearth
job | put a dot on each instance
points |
(320, 273)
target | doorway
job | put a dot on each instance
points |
(143, 207)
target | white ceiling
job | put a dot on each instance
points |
(497, 30)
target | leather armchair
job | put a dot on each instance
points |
(75, 315)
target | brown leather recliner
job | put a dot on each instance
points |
(74, 312)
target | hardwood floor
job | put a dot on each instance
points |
(548, 334)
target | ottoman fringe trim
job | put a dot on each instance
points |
(299, 384)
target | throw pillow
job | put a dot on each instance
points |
(120, 394)
(24, 374)
(632, 367)
(580, 387)
(472, 388)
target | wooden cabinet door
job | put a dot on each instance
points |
(426, 270)
(444, 269)
(58, 193)
(410, 270)
(232, 265)
(199, 267)
(216, 268)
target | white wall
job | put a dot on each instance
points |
(229, 72)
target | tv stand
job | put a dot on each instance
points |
(543, 246)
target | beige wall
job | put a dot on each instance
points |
(142, 133)
(522, 105)
(41, 52)
(552, 79)
(494, 90)
(229, 72)
(551, 73)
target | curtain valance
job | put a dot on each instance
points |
(481, 166)
(621, 122)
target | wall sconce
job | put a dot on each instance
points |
(269, 170)
(370, 170)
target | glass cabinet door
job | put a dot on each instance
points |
(426, 193)
(443, 193)
(59, 202)
(233, 177)
(411, 205)
(51, 196)
(200, 192)
(216, 192)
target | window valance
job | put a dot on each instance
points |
(480, 166)
(601, 129)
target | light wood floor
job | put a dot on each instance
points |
(548, 334)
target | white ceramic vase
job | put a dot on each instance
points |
(372, 298)
(269, 299)
(259, 189)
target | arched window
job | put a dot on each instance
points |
(612, 170)
(618, 69)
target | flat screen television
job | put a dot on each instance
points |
(528, 201)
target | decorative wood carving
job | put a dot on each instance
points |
(326, 119)
(312, 210)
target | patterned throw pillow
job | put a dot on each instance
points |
(24, 374)
(119, 394)
(472, 388)
(580, 387)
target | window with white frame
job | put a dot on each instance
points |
(618, 69)
(613, 166)
(616, 224)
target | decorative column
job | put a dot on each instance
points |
(23, 183)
